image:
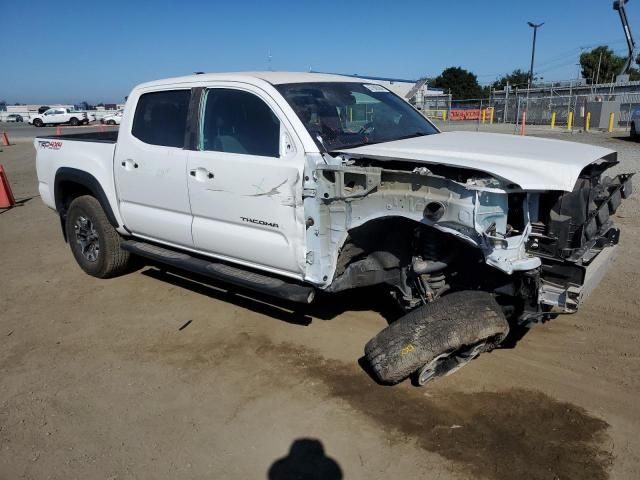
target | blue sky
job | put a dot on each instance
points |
(69, 51)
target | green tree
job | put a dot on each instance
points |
(517, 78)
(461, 83)
(610, 65)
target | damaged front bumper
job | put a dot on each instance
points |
(567, 297)
(571, 274)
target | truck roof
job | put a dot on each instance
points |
(275, 78)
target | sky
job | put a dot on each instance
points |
(70, 51)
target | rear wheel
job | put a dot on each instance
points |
(111, 122)
(437, 339)
(94, 242)
(74, 121)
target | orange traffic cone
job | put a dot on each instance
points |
(6, 195)
(5, 139)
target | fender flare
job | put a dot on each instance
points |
(80, 177)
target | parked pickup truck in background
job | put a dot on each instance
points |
(59, 115)
(293, 183)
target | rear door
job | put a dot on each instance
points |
(245, 181)
(150, 168)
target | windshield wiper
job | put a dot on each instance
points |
(413, 135)
(362, 144)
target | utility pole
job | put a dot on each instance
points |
(533, 50)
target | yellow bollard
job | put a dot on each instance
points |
(444, 115)
(611, 117)
(587, 122)
(491, 116)
(553, 119)
(484, 115)
(570, 121)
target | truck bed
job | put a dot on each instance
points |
(109, 136)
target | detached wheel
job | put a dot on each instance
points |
(438, 338)
(94, 242)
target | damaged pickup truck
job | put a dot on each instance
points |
(293, 183)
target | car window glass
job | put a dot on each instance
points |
(161, 118)
(234, 121)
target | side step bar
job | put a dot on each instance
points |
(273, 286)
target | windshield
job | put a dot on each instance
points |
(341, 115)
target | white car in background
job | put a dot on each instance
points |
(60, 115)
(112, 119)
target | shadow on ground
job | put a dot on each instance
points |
(306, 461)
(324, 307)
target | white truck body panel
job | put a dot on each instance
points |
(531, 163)
(234, 211)
(95, 158)
(151, 180)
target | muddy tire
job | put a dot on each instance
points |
(459, 322)
(94, 242)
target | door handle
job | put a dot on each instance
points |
(129, 162)
(201, 174)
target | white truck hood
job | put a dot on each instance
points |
(532, 163)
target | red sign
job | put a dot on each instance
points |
(469, 113)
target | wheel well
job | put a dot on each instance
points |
(378, 252)
(385, 251)
(70, 184)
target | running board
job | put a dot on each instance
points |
(273, 286)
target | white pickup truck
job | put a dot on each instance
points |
(293, 183)
(58, 116)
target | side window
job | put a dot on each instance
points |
(234, 121)
(161, 118)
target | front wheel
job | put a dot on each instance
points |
(111, 122)
(38, 123)
(94, 242)
(438, 338)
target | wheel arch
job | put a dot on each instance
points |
(375, 251)
(71, 183)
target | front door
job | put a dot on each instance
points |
(245, 182)
(54, 116)
(151, 168)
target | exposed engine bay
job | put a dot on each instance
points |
(428, 230)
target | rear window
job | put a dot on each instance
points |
(161, 118)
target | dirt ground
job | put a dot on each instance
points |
(99, 381)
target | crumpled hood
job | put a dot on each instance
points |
(532, 163)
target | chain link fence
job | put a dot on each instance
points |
(539, 108)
